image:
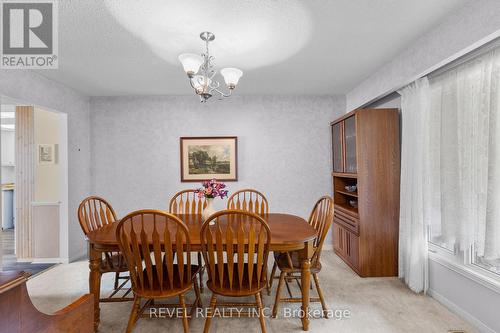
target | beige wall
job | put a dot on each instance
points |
(45, 231)
(47, 175)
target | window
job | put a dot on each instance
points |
(436, 238)
(492, 265)
(464, 121)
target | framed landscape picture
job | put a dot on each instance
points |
(204, 158)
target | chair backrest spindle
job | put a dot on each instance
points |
(187, 202)
(249, 200)
(94, 213)
(321, 219)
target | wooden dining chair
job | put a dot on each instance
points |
(235, 246)
(321, 219)
(157, 248)
(188, 202)
(253, 201)
(249, 200)
(95, 213)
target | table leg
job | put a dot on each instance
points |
(95, 258)
(305, 282)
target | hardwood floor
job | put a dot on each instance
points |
(8, 255)
(9, 261)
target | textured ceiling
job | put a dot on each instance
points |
(259, 33)
(121, 47)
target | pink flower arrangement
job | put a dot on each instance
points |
(212, 189)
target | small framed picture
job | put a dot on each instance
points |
(46, 154)
(204, 158)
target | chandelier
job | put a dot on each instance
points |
(200, 70)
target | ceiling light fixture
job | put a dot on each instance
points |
(201, 71)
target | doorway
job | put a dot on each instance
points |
(34, 187)
(8, 175)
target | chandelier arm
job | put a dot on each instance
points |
(212, 74)
(214, 85)
(200, 82)
(223, 94)
(191, 84)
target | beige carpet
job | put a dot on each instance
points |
(375, 305)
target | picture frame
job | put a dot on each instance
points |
(46, 154)
(204, 158)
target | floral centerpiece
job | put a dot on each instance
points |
(210, 190)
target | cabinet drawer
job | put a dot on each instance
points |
(346, 212)
(348, 222)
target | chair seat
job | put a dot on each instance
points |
(167, 290)
(113, 262)
(281, 259)
(233, 288)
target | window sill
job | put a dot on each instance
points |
(468, 271)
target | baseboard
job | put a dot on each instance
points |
(24, 260)
(478, 324)
(64, 260)
(47, 261)
(78, 257)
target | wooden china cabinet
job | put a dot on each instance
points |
(366, 154)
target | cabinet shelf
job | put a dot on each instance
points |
(351, 194)
(345, 175)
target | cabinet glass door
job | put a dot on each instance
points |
(350, 145)
(338, 165)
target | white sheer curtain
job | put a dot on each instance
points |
(450, 165)
(414, 203)
(467, 99)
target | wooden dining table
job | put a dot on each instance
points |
(288, 233)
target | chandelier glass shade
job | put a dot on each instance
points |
(200, 70)
(191, 62)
